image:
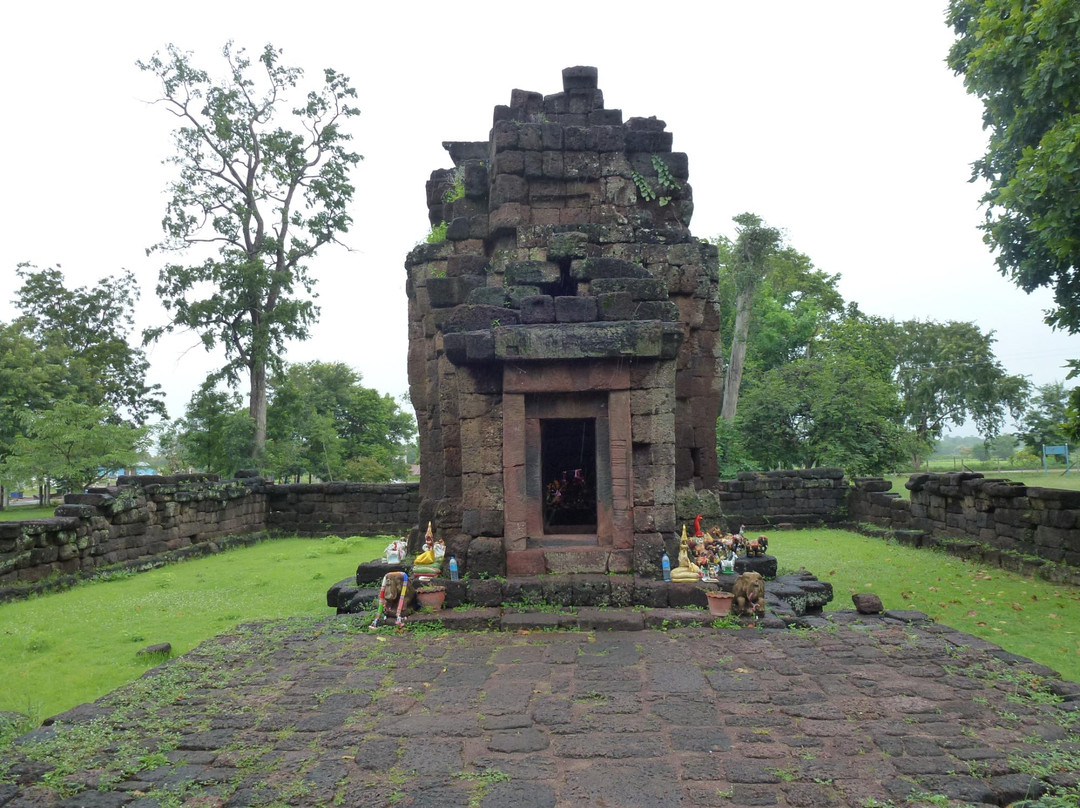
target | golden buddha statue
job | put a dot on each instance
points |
(687, 571)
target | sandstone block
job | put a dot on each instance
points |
(575, 309)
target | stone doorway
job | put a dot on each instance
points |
(568, 471)
(556, 419)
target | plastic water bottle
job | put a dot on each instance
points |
(453, 569)
(665, 565)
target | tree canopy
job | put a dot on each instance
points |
(1020, 57)
(68, 351)
(745, 263)
(72, 444)
(259, 197)
(826, 384)
(321, 422)
(822, 412)
(947, 373)
(86, 330)
(1044, 421)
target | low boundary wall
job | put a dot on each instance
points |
(147, 518)
(1012, 524)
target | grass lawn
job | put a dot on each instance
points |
(1027, 616)
(19, 513)
(1037, 479)
(65, 648)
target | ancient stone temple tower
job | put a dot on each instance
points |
(563, 340)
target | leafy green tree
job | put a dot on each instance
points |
(1020, 58)
(173, 456)
(748, 259)
(822, 412)
(323, 422)
(1000, 447)
(216, 431)
(947, 373)
(1043, 422)
(264, 197)
(86, 329)
(31, 378)
(74, 445)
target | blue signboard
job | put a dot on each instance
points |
(1055, 450)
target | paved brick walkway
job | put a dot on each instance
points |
(326, 712)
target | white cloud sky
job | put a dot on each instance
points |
(836, 121)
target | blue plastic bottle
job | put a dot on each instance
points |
(453, 569)
(665, 565)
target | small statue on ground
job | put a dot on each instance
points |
(429, 563)
(757, 547)
(397, 592)
(395, 552)
(749, 592)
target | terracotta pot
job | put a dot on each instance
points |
(431, 600)
(719, 603)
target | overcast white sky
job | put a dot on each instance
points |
(836, 121)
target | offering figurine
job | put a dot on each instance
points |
(757, 547)
(687, 570)
(429, 562)
(749, 592)
(397, 592)
(395, 551)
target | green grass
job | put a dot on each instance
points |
(65, 648)
(1055, 479)
(19, 513)
(1027, 616)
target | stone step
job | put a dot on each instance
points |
(567, 558)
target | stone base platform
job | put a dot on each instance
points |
(787, 598)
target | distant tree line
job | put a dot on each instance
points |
(75, 406)
(322, 424)
(821, 383)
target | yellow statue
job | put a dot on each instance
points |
(428, 556)
(687, 569)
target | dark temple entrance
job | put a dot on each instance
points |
(568, 466)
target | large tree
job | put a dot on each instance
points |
(215, 433)
(747, 261)
(1020, 58)
(321, 422)
(947, 373)
(822, 411)
(324, 422)
(260, 197)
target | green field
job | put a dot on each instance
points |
(65, 648)
(19, 513)
(1055, 479)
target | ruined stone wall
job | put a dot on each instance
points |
(567, 243)
(149, 518)
(795, 497)
(156, 516)
(341, 509)
(1009, 516)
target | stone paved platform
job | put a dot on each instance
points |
(862, 712)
